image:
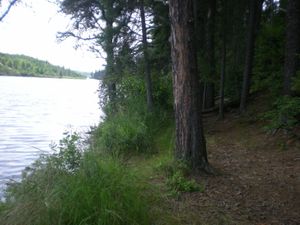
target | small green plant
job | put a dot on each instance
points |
(178, 183)
(68, 153)
(177, 173)
(283, 114)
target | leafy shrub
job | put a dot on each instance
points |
(178, 183)
(283, 114)
(267, 71)
(69, 152)
(177, 177)
(296, 83)
(123, 133)
(163, 92)
(129, 126)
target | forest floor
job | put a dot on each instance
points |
(258, 179)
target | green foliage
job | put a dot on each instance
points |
(123, 133)
(283, 114)
(162, 91)
(128, 126)
(27, 66)
(178, 183)
(131, 88)
(296, 83)
(99, 192)
(160, 49)
(69, 152)
(177, 174)
(269, 57)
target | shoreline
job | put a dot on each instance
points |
(39, 76)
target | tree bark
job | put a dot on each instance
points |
(190, 140)
(109, 49)
(210, 86)
(292, 45)
(255, 10)
(146, 59)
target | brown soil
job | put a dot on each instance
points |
(258, 181)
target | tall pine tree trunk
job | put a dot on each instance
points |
(146, 59)
(190, 140)
(223, 61)
(109, 69)
(210, 86)
(255, 10)
(292, 45)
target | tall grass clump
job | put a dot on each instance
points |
(129, 127)
(123, 133)
(97, 191)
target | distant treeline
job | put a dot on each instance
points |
(99, 75)
(21, 65)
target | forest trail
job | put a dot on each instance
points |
(259, 179)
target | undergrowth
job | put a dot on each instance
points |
(97, 191)
(178, 178)
(284, 114)
(89, 182)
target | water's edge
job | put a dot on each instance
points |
(34, 112)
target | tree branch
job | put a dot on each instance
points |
(8, 9)
(64, 35)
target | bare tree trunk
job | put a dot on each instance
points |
(109, 69)
(223, 62)
(210, 86)
(292, 45)
(222, 81)
(109, 49)
(255, 10)
(146, 59)
(190, 140)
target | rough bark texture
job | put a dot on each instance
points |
(255, 10)
(146, 59)
(292, 46)
(190, 141)
(210, 86)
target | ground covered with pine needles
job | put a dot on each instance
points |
(257, 176)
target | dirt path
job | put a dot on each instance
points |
(259, 182)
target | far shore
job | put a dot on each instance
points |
(41, 76)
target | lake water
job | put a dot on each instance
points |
(35, 112)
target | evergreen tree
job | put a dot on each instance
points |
(209, 88)
(190, 140)
(292, 46)
(146, 58)
(253, 21)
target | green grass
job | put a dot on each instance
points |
(101, 191)
(96, 188)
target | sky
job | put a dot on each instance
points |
(30, 29)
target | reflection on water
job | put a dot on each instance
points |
(36, 111)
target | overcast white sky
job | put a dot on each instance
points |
(31, 30)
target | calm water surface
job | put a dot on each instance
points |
(35, 112)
